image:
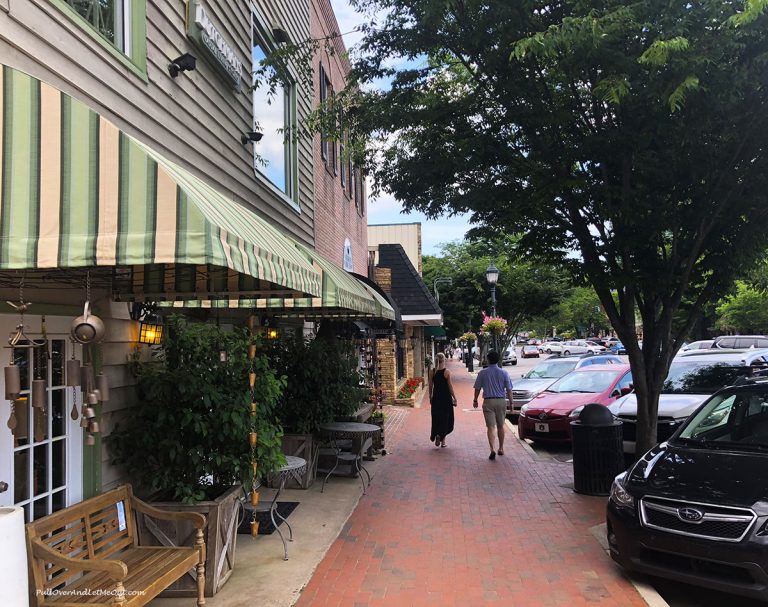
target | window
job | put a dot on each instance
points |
(343, 161)
(324, 86)
(119, 25)
(274, 110)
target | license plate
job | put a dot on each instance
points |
(541, 427)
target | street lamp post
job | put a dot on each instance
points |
(444, 280)
(492, 276)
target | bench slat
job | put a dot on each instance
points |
(150, 570)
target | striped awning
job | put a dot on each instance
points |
(76, 192)
(343, 296)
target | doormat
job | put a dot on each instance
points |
(265, 522)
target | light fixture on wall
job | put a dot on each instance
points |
(270, 327)
(280, 35)
(251, 136)
(150, 323)
(182, 63)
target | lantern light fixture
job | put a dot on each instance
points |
(151, 329)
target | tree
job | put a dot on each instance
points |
(625, 140)
(524, 289)
(579, 311)
(746, 311)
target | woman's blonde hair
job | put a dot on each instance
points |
(440, 361)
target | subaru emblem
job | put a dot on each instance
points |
(690, 515)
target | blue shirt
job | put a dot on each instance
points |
(494, 381)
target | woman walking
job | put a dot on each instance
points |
(443, 400)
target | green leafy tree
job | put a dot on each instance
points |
(745, 311)
(630, 133)
(580, 313)
(523, 291)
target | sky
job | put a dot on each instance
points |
(385, 208)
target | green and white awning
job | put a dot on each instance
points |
(343, 296)
(77, 192)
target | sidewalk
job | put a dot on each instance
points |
(447, 527)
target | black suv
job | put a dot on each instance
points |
(695, 508)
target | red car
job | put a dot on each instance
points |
(529, 352)
(548, 417)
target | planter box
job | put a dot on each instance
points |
(220, 539)
(306, 447)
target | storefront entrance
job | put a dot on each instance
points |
(41, 461)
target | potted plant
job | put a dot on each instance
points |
(186, 439)
(323, 385)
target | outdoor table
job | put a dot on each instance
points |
(294, 467)
(359, 433)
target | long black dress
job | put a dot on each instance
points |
(442, 407)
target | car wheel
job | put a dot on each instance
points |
(567, 353)
(548, 350)
(514, 362)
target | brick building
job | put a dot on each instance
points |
(339, 187)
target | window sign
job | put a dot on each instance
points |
(204, 33)
(348, 256)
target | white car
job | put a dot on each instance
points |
(704, 344)
(551, 347)
(690, 381)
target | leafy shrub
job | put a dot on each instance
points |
(187, 437)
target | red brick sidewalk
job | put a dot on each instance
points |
(447, 527)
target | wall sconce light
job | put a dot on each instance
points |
(151, 329)
(150, 323)
(251, 136)
(270, 327)
(280, 35)
(183, 63)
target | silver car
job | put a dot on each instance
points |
(692, 378)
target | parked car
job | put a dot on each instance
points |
(509, 358)
(534, 342)
(549, 415)
(697, 345)
(548, 372)
(690, 381)
(693, 509)
(580, 346)
(529, 352)
(551, 347)
(740, 341)
(618, 348)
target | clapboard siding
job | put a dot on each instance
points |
(195, 119)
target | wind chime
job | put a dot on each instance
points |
(252, 436)
(20, 341)
(87, 330)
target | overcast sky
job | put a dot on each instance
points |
(386, 209)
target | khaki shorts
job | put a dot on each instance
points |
(494, 411)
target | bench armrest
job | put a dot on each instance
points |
(198, 520)
(116, 570)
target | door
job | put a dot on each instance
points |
(42, 459)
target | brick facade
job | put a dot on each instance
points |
(385, 349)
(337, 216)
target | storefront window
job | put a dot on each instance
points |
(273, 116)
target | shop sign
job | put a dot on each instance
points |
(348, 266)
(204, 33)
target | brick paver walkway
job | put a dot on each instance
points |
(447, 527)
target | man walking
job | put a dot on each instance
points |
(497, 387)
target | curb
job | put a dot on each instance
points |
(646, 591)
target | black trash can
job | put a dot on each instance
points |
(598, 453)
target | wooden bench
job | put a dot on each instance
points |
(89, 554)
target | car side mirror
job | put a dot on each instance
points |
(616, 393)
(627, 390)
